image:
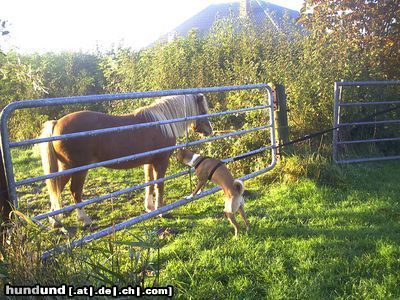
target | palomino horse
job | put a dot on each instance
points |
(65, 154)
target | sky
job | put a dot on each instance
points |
(84, 25)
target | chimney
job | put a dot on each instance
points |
(244, 8)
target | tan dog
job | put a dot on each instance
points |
(208, 168)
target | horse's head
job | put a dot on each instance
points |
(203, 125)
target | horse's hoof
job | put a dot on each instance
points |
(81, 216)
(165, 232)
(87, 222)
(220, 215)
(55, 223)
(90, 227)
(165, 216)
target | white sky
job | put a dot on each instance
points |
(57, 25)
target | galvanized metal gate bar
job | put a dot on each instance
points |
(6, 145)
(338, 103)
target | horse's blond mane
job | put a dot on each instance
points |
(173, 107)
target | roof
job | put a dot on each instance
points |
(204, 20)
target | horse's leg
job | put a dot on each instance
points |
(77, 181)
(160, 167)
(148, 200)
(55, 221)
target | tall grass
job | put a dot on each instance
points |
(121, 259)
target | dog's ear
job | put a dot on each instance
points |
(179, 154)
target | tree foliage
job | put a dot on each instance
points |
(367, 31)
(24, 77)
(3, 32)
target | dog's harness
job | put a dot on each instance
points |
(220, 163)
(197, 164)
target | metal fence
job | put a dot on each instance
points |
(340, 105)
(13, 185)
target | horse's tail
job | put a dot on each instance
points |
(239, 185)
(50, 165)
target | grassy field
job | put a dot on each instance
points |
(317, 232)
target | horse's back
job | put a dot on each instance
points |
(87, 120)
(83, 150)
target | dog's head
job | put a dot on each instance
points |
(184, 155)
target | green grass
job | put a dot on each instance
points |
(321, 232)
(306, 241)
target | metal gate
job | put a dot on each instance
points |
(341, 107)
(13, 185)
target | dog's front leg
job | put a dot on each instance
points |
(198, 188)
(232, 220)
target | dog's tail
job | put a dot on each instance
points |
(50, 164)
(239, 185)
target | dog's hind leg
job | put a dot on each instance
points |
(232, 220)
(243, 214)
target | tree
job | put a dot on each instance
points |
(368, 30)
(3, 31)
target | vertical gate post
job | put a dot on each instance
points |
(5, 204)
(281, 119)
